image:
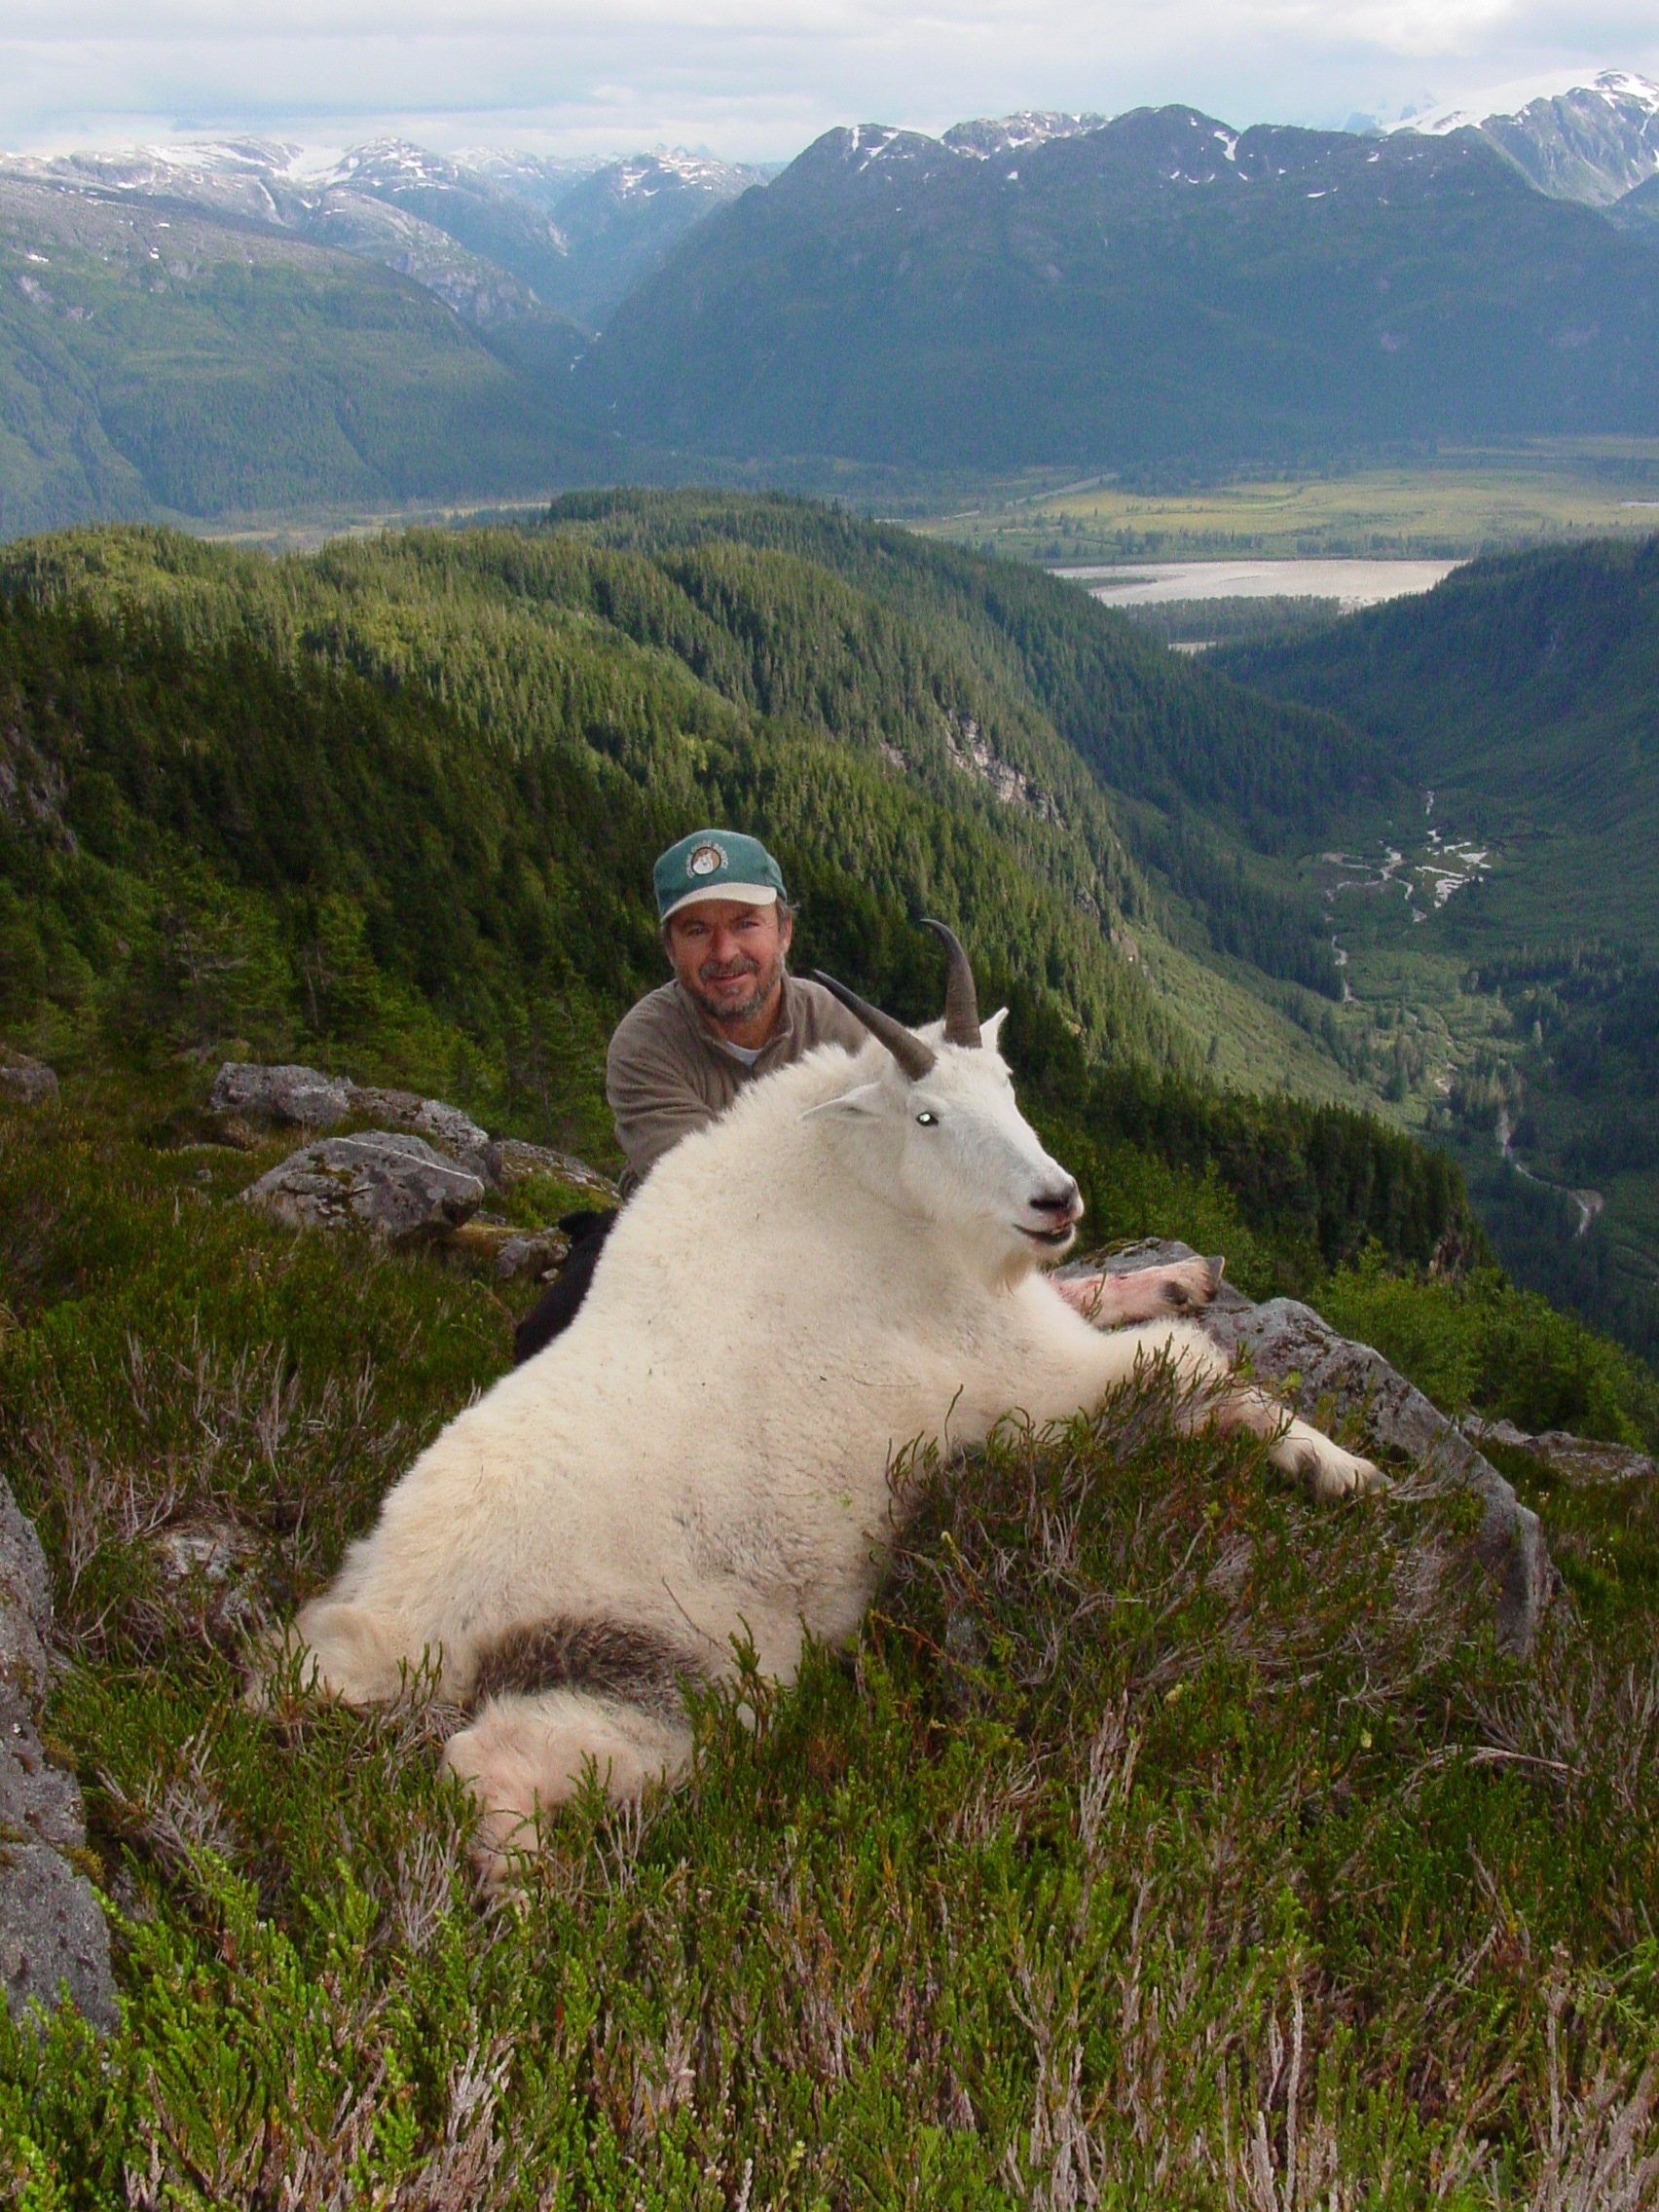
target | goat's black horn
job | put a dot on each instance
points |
(961, 1000)
(914, 1057)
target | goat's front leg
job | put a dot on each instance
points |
(1298, 1447)
(1147, 1294)
(1203, 1370)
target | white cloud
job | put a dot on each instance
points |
(761, 78)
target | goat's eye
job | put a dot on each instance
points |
(927, 1121)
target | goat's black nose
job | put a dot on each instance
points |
(1064, 1200)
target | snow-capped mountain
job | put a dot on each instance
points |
(490, 258)
(1589, 142)
(622, 218)
(502, 238)
(543, 179)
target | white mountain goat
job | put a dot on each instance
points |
(845, 1262)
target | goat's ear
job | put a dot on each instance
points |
(991, 1029)
(865, 1100)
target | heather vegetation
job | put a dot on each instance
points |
(1163, 1835)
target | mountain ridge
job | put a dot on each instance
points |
(1162, 290)
(1589, 142)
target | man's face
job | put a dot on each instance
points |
(728, 956)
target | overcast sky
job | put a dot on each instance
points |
(758, 79)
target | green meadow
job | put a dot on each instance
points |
(1446, 504)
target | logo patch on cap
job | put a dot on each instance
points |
(707, 859)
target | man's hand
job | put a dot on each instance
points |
(1108, 1301)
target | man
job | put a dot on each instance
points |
(731, 1014)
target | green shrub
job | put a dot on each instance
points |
(1481, 1343)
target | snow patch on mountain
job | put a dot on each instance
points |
(988, 137)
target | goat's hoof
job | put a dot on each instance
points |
(1331, 1472)
(1188, 1285)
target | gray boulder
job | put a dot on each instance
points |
(511, 1160)
(1326, 1377)
(26, 1083)
(298, 1096)
(445, 1126)
(305, 1098)
(52, 1926)
(1574, 1459)
(395, 1184)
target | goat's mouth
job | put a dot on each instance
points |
(1051, 1239)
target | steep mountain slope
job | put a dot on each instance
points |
(621, 222)
(403, 797)
(1519, 700)
(1636, 214)
(497, 226)
(504, 241)
(155, 359)
(1198, 774)
(1160, 290)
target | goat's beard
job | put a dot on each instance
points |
(720, 1010)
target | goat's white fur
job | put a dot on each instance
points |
(795, 1295)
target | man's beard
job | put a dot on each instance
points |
(713, 970)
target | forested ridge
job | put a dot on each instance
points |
(399, 799)
(1189, 749)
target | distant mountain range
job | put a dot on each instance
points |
(498, 238)
(1162, 290)
(156, 360)
(193, 331)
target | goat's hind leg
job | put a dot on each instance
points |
(525, 1755)
(345, 1650)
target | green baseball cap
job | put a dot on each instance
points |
(716, 864)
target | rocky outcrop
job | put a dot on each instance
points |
(1327, 1377)
(509, 1161)
(395, 1184)
(26, 1082)
(1572, 1458)
(443, 1125)
(52, 1926)
(418, 1176)
(302, 1097)
(292, 1096)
